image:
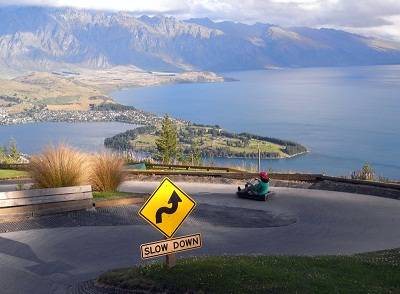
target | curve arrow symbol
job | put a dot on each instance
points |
(174, 200)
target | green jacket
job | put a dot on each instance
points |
(261, 188)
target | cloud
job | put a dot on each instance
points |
(156, 6)
(368, 16)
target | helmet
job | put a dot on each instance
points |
(264, 175)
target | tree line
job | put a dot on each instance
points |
(291, 148)
(113, 107)
(122, 141)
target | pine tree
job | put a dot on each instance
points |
(3, 155)
(13, 151)
(167, 143)
(195, 153)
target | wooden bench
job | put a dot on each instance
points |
(45, 201)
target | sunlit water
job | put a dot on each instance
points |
(32, 138)
(345, 116)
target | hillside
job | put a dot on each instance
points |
(45, 39)
(82, 88)
(47, 89)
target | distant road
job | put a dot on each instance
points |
(293, 221)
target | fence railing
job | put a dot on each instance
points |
(232, 173)
(389, 185)
(16, 166)
(156, 166)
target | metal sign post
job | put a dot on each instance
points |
(170, 258)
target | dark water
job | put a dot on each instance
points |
(345, 116)
(32, 138)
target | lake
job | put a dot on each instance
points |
(345, 116)
(33, 137)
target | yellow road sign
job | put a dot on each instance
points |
(167, 208)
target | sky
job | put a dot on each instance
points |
(379, 18)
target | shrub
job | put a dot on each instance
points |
(58, 166)
(10, 154)
(106, 172)
(367, 173)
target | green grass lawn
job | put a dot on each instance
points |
(60, 100)
(12, 174)
(114, 195)
(377, 272)
(147, 142)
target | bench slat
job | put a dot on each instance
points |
(46, 208)
(44, 199)
(44, 192)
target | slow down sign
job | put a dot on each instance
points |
(169, 246)
(166, 210)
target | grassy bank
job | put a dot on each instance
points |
(377, 272)
(114, 195)
(12, 174)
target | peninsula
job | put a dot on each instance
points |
(211, 141)
(82, 95)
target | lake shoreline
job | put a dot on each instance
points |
(130, 115)
(265, 158)
(127, 114)
(211, 142)
(313, 106)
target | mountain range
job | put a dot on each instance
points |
(42, 38)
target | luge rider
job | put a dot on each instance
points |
(257, 189)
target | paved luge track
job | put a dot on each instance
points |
(57, 252)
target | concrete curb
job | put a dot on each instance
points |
(16, 181)
(361, 182)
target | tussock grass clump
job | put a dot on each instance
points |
(58, 166)
(106, 172)
(366, 173)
